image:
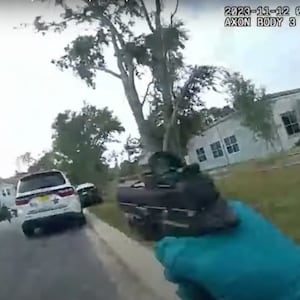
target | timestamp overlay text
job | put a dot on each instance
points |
(261, 16)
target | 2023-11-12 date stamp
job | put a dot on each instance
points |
(261, 16)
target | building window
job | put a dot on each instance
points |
(3, 193)
(201, 154)
(8, 192)
(290, 122)
(216, 149)
(231, 144)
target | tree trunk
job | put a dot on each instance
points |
(147, 141)
(170, 140)
(127, 69)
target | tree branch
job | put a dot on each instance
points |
(147, 91)
(111, 72)
(105, 19)
(157, 14)
(180, 97)
(185, 87)
(174, 12)
(147, 16)
(117, 53)
(117, 36)
(114, 30)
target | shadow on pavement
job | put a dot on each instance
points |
(58, 228)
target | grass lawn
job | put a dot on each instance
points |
(110, 213)
(275, 193)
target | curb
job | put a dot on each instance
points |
(137, 258)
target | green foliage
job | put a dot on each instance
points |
(26, 159)
(81, 138)
(128, 168)
(79, 142)
(191, 115)
(45, 162)
(188, 126)
(176, 88)
(213, 114)
(133, 148)
(190, 119)
(253, 106)
(161, 52)
(84, 57)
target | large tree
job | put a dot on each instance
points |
(80, 140)
(25, 160)
(174, 89)
(253, 106)
(46, 161)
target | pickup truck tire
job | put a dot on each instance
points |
(28, 230)
(81, 220)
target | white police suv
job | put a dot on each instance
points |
(46, 197)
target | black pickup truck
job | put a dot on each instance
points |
(88, 194)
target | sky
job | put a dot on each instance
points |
(33, 91)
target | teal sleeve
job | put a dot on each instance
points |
(187, 290)
(255, 261)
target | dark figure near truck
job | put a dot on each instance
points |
(5, 214)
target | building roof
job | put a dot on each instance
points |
(284, 93)
(3, 182)
(271, 96)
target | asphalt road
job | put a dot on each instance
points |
(64, 265)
